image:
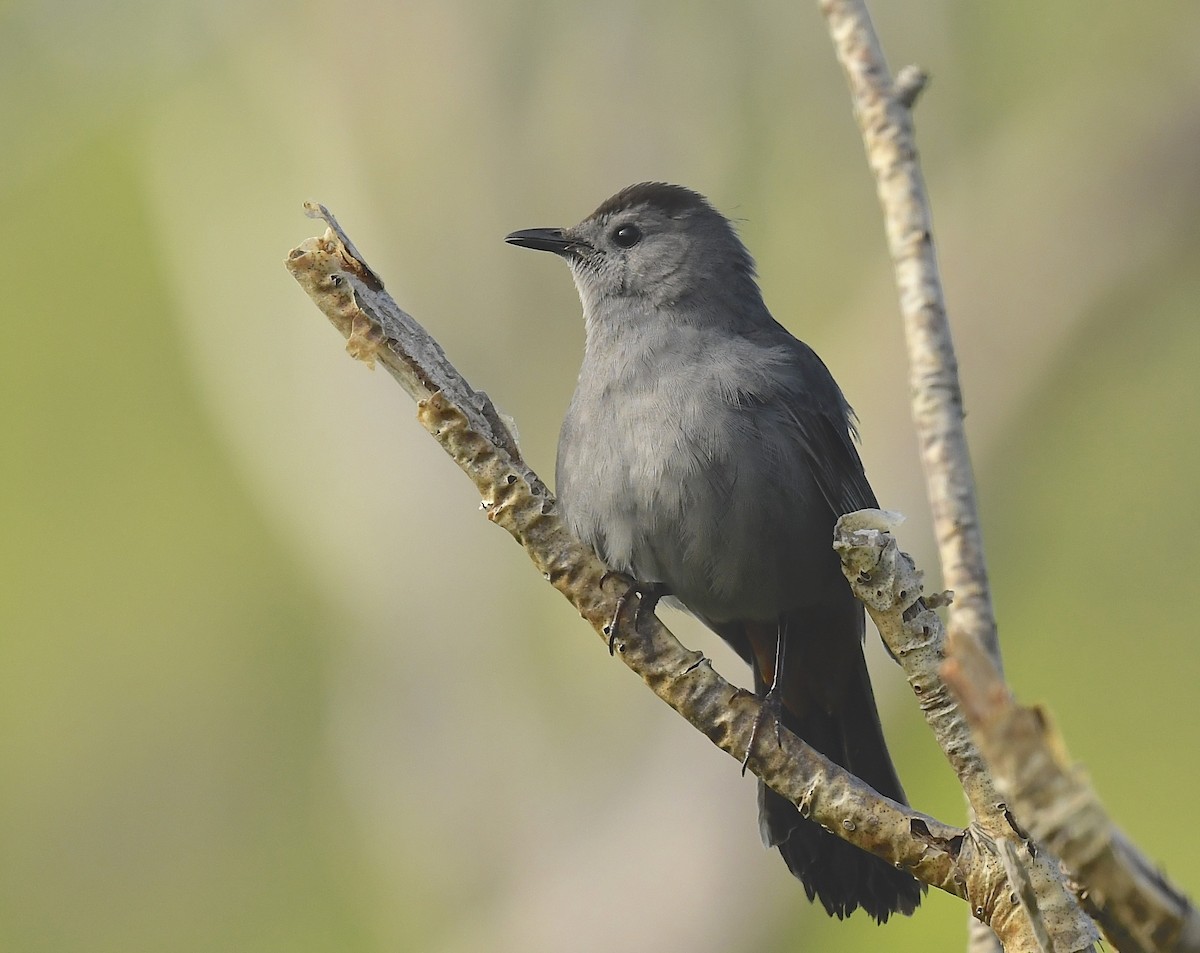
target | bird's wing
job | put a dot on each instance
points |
(817, 413)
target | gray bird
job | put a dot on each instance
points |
(707, 454)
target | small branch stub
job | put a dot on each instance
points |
(910, 83)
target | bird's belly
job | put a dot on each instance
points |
(728, 536)
(740, 558)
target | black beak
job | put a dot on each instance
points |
(544, 239)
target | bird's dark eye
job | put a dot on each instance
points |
(626, 236)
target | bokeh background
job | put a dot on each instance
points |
(270, 681)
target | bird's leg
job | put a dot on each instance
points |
(769, 707)
(649, 594)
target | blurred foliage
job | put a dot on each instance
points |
(271, 683)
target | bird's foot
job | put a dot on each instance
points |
(648, 593)
(771, 708)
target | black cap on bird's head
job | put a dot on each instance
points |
(670, 199)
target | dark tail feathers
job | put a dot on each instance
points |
(832, 870)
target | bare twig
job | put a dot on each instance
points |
(885, 122)
(1139, 909)
(1044, 914)
(890, 586)
(469, 429)
(1024, 776)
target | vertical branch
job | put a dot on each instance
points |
(882, 108)
(1046, 915)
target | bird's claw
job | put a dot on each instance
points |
(770, 707)
(648, 593)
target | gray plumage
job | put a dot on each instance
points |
(708, 450)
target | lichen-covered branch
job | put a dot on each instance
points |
(1022, 776)
(1045, 913)
(1138, 908)
(891, 587)
(352, 296)
(468, 427)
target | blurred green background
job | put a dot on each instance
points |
(272, 683)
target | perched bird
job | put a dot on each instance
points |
(707, 454)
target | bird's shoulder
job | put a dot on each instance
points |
(797, 392)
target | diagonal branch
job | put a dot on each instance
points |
(1024, 775)
(1003, 890)
(1026, 762)
(1050, 916)
(1138, 908)
(467, 426)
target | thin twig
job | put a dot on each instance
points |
(1138, 908)
(882, 109)
(885, 122)
(885, 580)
